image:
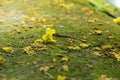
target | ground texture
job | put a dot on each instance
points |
(81, 44)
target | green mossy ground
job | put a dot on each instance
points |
(74, 24)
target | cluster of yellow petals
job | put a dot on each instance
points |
(48, 36)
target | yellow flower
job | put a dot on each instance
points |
(48, 37)
(8, 49)
(61, 77)
(117, 20)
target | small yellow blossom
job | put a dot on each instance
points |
(48, 37)
(117, 20)
(8, 49)
(61, 77)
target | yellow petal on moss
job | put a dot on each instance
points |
(61, 77)
(64, 59)
(44, 69)
(74, 47)
(8, 49)
(50, 31)
(2, 60)
(29, 50)
(48, 36)
(96, 53)
(42, 20)
(84, 45)
(104, 47)
(117, 20)
(65, 68)
(98, 32)
(54, 60)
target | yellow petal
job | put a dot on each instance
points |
(65, 68)
(61, 77)
(2, 60)
(8, 49)
(64, 59)
(84, 45)
(50, 31)
(104, 47)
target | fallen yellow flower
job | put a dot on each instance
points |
(29, 50)
(117, 20)
(8, 49)
(48, 37)
(61, 77)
